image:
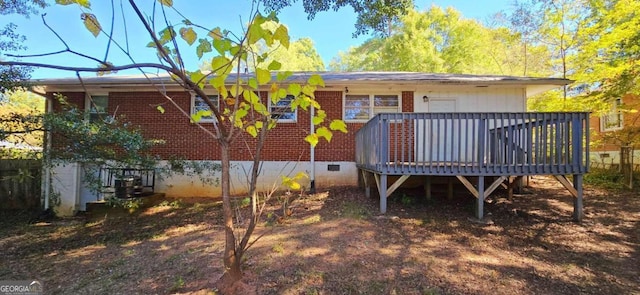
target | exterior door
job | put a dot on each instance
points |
(434, 140)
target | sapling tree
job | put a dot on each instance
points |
(238, 76)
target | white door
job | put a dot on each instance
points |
(434, 139)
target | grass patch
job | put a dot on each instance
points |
(354, 210)
(312, 219)
(278, 248)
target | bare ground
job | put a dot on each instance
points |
(335, 242)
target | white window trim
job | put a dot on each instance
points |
(193, 108)
(295, 112)
(371, 104)
(613, 112)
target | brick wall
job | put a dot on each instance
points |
(187, 140)
(629, 120)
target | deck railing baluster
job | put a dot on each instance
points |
(474, 143)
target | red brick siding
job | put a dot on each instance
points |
(73, 98)
(628, 118)
(183, 139)
(407, 101)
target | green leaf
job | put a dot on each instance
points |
(160, 109)
(338, 125)
(324, 132)
(198, 77)
(251, 97)
(295, 89)
(195, 118)
(91, 23)
(168, 3)
(188, 35)
(309, 90)
(252, 130)
(281, 76)
(236, 90)
(83, 3)
(253, 83)
(282, 34)
(221, 45)
(316, 80)
(215, 34)
(312, 139)
(263, 76)
(166, 35)
(203, 47)
(274, 66)
(282, 93)
(221, 65)
(319, 118)
(218, 81)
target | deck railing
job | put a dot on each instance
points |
(474, 143)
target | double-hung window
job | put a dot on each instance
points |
(97, 106)
(281, 110)
(613, 120)
(200, 109)
(362, 107)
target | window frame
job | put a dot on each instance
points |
(280, 120)
(371, 107)
(613, 112)
(193, 111)
(89, 109)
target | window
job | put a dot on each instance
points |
(362, 107)
(198, 104)
(282, 112)
(97, 106)
(612, 120)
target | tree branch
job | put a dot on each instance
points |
(87, 69)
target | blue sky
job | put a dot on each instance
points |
(331, 31)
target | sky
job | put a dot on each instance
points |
(331, 31)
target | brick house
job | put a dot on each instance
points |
(355, 97)
(623, 116)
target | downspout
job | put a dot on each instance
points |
(312, 156)
(47, 158)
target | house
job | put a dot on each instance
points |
(620, 124)
(417, 114)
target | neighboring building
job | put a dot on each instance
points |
(354, 97)
(618, 123)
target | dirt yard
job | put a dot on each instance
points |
(335, 242)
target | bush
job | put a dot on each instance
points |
(609, 179)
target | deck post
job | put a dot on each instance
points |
(366, 183)
(450, 188)
(427, 187)
(382, 191)
(578, 213)
(480, 199)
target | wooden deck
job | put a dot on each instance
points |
(501, 145)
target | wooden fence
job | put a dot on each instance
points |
(20, 184)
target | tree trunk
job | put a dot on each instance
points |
(233, 272)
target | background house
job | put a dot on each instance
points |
(355, 97)
(620, 126)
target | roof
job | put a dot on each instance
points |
(330, 79)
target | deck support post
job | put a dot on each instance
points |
(382, 191)
(578, 213)
(427, 187)
(450, 188)
(480, 199)
(367, 185)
